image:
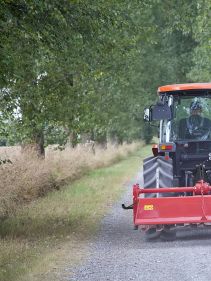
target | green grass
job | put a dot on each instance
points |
(47, 233)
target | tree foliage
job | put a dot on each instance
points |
(90, 67)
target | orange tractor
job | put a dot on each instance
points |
(176, 191)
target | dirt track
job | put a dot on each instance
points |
(121, 253)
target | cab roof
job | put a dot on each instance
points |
(184, 87)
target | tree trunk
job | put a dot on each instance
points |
(72, 139)
(36, 146)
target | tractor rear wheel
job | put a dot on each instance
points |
(158, 172)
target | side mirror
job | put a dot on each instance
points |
(161, 111)
(158, 112)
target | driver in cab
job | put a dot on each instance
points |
(195, 126)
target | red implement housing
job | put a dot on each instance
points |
(180, 209)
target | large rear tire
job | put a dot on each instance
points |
(158, 173)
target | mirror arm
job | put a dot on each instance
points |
(153, 125)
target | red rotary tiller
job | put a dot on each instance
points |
(195, 208)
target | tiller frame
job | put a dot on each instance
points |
(188, 205)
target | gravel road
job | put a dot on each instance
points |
(121, 253)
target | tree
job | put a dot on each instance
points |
(90, 67)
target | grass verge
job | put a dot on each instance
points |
(27, 178)
(51, 233)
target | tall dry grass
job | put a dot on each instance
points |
(28, 178)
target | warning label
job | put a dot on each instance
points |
(148, 207)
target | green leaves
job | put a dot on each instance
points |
(92, 66)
